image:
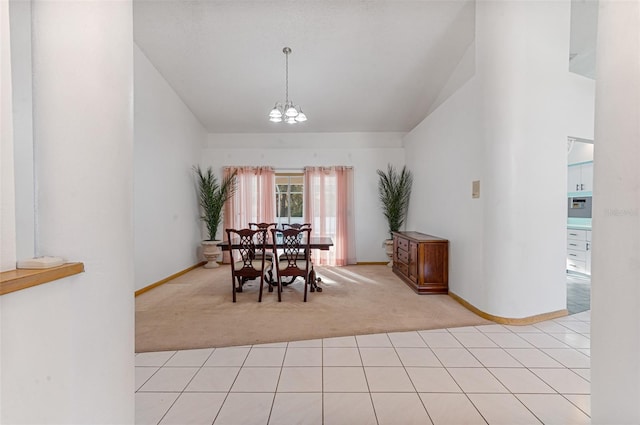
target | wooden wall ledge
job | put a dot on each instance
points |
(16, 280)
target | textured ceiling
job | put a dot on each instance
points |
(355, 65)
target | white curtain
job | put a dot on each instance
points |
(254, 200)
(329, 208)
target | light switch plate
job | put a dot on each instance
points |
(475, 189)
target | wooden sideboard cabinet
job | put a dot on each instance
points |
(422, 261)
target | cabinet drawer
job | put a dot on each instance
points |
(402, 244)
(579, 235)
(402, 268)
(572, 254)
(577, 266)
(576, 245)
(402, 255)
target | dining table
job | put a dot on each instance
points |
(323, 243)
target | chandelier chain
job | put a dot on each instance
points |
(287, 112)
(286, 56)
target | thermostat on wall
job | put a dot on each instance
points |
(40, 263)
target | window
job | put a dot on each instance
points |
(289, 198)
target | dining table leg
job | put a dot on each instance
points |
(314, 280)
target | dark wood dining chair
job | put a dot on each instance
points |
(313, 277)
(267, 253)
(290, 263)
(243, 245)
(298, 226)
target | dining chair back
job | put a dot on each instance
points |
(291, 263)
(296, 225)
(265, 226)
(245, 265)
(266, 252)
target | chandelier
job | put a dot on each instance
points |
(289, 113)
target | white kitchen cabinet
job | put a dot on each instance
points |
(579, 251)
(586, 172)
(588, 248)
(580, 177)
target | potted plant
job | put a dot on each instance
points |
(394, 191)
(212, 196)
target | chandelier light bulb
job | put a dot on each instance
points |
(288, 113)
(291, 111)
(276, 112)
(301, 117)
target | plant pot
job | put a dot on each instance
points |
(211, 251)
(388, 246)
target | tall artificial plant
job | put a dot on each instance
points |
(212, 196)
(394, 190)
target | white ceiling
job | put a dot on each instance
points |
(355, 65)
(583, 37)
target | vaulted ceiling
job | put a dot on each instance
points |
(355, 65)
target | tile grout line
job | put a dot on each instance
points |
(515, 395)
(531, 369)
(463, 391)
(576, 406)
(366, 379)
(186, 385)
(547, 355)
(231, 386)
(275, 392)
(553, 388)
(154, 373)
(322, 378)
(501, 383)
(395, 349)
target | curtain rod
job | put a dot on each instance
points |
(348, 167)
(289, 168)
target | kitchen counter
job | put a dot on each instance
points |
(579, 223)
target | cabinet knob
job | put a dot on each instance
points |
(577, 187)
(581, 186)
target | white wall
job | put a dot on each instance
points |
(615, 294)
(366, 152)
(507, 127)
(7, 189)
(7, 199)
(445, 154)
(20, 13)
(522, 67)
(168, 142)
(463, 72)
(580, 102)
(67, 346)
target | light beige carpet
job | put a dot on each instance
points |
(195, 310)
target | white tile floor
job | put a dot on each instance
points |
(473, 375)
